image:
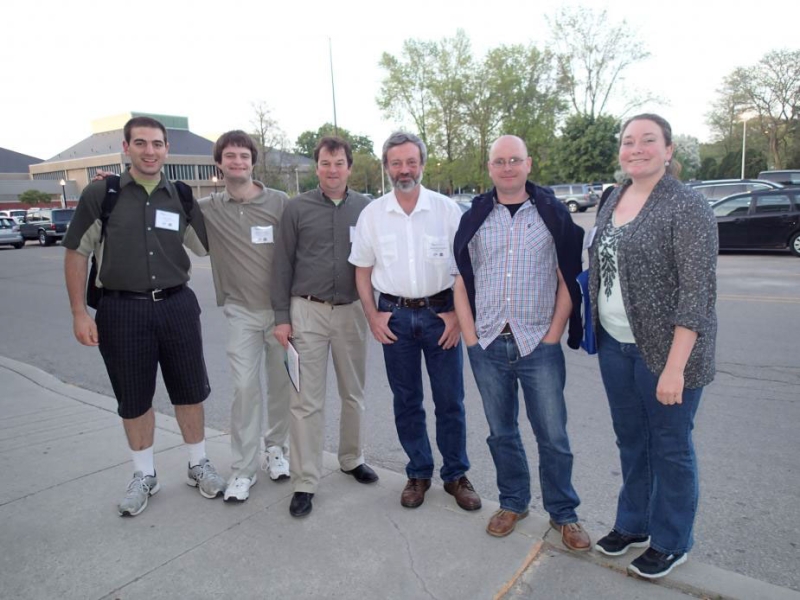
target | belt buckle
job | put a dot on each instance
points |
(155, 297)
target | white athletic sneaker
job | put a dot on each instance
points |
(274, 463)
(238, 490)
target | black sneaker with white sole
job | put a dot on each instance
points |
(617, 544)
(654, 564)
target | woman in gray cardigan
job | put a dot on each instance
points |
(653, 261)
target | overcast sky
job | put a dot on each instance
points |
(66, 63)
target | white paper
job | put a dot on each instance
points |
(167, 220)
(352, 234)
(261, 234)
(292, 362)
(587, 242)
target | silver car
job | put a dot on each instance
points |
(9, 233)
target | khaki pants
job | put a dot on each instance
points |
(249, 339)
(317, 329)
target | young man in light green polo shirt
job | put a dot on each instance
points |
(241, 222)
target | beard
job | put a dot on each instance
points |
(406, 185)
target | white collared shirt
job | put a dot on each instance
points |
(410, 254)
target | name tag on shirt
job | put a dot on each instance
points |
(261, 234)
(437, 247)
(587, 242)
(167, 220)
(352, 234)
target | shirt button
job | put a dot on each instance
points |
(511, 252)
(151, 253)
(149, 229)
(507, 274)
(153, 277)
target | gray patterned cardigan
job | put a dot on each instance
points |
(667, 267)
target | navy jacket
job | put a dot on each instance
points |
(568, 238)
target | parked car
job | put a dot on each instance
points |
(785, 177)
(17, 214)
(716, 189)
(760, 220)
(577, 196)
(9, 233)
(46, 225)
(464, 201)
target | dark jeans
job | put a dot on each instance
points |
(418, 330)
(659, 468)
(499, 371)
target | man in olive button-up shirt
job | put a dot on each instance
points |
(316, 306)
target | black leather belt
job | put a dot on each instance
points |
(440, 299)
(154, 295)
(321, 301)
(507, 328)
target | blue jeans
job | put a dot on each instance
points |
(499, 371)
(418, 331)
(659, 468)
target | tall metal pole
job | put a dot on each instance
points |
(64, 191)
(333, 89)
(744, 142)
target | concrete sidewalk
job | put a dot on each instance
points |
(65, 467)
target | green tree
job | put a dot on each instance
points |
(307, 141)
(587, 149)
(428, 84)
(593, 54)
(365, 175)
(34, 197)
(687, 152)
(708, 168)
(768, 94)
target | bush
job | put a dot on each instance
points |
(34, 197)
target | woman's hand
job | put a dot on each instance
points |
(670, 387)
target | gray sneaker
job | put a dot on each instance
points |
(139, 490)
(205, 478)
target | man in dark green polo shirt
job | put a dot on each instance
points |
(147, 316)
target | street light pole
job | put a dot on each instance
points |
(744, 141)
(63, 192)
(215, 180)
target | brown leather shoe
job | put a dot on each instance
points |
(573, 536)
(464, 493)
(414, 493)
(503, 522)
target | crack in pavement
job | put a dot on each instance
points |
(410, 557)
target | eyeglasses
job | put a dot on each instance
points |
(500, 163)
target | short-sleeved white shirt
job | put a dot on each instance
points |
(410, 254)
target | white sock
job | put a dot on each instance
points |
(144, 461)
(197, 452)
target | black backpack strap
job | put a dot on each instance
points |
(187, 199)
(109, 202)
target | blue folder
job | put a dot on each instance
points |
(589, 342)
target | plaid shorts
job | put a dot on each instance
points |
(137, 335)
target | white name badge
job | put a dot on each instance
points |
(167, 220)
(438, 247)
(587, 242)
(261, 234)
(352, 234)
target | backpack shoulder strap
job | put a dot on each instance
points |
(109, 202)
(187, 199)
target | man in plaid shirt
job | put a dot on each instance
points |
(517, 253)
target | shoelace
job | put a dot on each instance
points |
(206, 470)
(135, 486)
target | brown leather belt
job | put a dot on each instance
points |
(154, 295)
(440, 299)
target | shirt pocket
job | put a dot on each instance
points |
(535, 239)
(388, 249)
(436, 249)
